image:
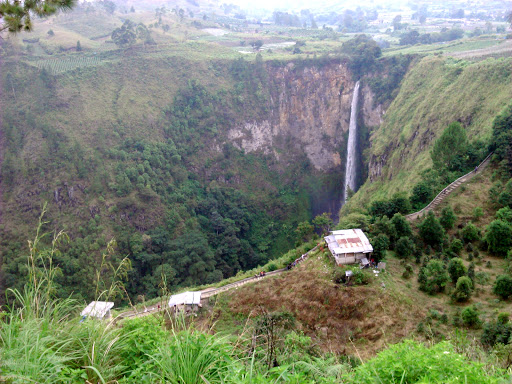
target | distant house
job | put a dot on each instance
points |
(348, 246)
(188, 301)
(98, 309)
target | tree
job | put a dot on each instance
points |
(470, 317)
(501, 141)
(323, 222)
(421, 195)
(78, 46)
(132, 9)
(404, 247)
(256, 44)
(270, 325)
(448, 218)
(504, 214)
(129, 33)
(431, 230)
(499, 237)
(402, 226)
(109, 6)
(397, 22)
(304, 231)
(380, 245)
(456, 269)
(505, 197)
(17, 15)
(51, 33)
(503, 286)
(470, 233)
(363, 52)
(463, 289)
(125, 35)
(433, 277)
(449, 148)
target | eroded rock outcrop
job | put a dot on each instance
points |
(310, 112)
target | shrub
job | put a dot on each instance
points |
(478, 212)
(471, 272)
(504, 214)
(470, 317)
(482, 278)
(456, 246)
(463, 289)
(456, 269)
(496, 332)
(271, 267)
(447, 218)
(503, 317)
(503, 286)
(412, 362)
(434, 277)
(408, 271)
(470, 233)
(338, 276)
(404, 247)
(380, 245)
(431, 230)
(360, 276)
(402, 226)
(499, 237)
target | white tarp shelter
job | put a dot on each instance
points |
(185, 298)
(99, 309)
(348, 246)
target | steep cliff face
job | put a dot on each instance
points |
(310, 113)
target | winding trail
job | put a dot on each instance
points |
(209, 292)
(449, 189)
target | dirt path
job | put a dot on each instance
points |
(211, 291)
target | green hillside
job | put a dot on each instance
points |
(436, 92)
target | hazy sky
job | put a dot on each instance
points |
(311, 4)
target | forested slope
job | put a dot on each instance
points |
(166, 155)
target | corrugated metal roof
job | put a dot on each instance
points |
(97, 309)
(187, 298)
(348, 241)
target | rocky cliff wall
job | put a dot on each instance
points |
(310, 113)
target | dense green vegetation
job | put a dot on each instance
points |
(194, 215)
(42, 340)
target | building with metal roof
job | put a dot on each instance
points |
(184, 299)
(348, 246)
(98, 309)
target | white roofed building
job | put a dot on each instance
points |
(185, 300)
(349, 246)
(98, 309)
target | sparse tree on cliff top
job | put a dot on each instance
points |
(17, 15)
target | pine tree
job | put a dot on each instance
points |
(17, 15)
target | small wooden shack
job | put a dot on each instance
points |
(349, 246)
(98, 309)
(186, 301)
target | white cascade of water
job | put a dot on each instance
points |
(350, 169)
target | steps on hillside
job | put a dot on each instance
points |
(446, 191)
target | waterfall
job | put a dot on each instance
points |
(350, 169)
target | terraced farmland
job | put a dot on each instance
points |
(61, 65)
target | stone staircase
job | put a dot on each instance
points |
(449, 189)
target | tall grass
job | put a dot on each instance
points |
(40, 338)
